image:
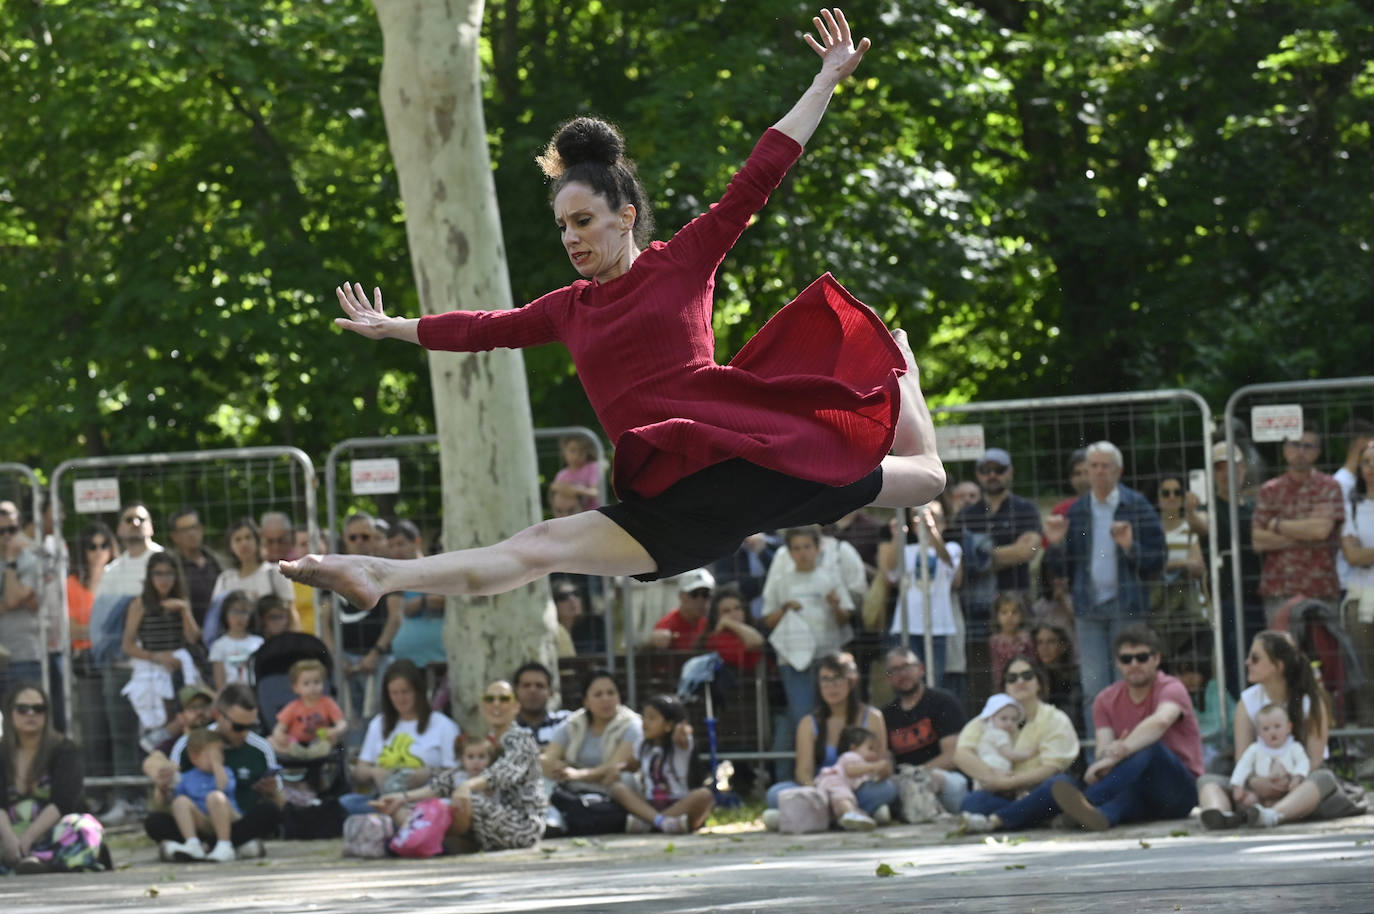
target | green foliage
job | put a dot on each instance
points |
(1055, 197)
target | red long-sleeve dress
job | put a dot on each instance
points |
(814, 394)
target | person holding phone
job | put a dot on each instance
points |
(257, 789)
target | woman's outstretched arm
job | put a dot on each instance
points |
(839, 58)
(368, 318)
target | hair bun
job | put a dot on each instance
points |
(582, 140)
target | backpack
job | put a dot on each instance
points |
(423, 834)
(367, 835)
(802, 810)
(77, 844)
(918, 798)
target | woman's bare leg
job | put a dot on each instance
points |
(913, 473)
(586, 543)
(696, 806)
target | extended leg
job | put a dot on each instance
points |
(585, 543)
(913, 473)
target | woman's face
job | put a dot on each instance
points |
(1259, 666)
(1019, 685)
(25, 719)
(730, 608)
(402, 697)
(597, 240)
(244, 545)
(602, 699)
(834, 684)
(1048, 648)
(99, 551)
(164, 577)
(498, 704)
(1171, 495)
(654, 724)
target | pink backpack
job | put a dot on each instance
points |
(802, 810)
(423, 835)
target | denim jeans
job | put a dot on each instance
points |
(1096, 632)
(870, 795)
(1150, 784)
(800, 688)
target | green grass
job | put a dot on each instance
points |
(734, 815)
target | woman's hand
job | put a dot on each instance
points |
(839, 56)
(388, 804)
(166, 659)
(369, 319)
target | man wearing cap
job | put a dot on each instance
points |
(682, 629)
(1000, 534)
(1225, 461)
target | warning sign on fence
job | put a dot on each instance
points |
(1280, 422)
(959, 442)
(381, 476)
(96, 496)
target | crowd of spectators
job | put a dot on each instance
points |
(1081, 629)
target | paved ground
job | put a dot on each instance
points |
(1174, 866)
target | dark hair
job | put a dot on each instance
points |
(152, 603)
(403, 527)
(532, 666)
(812, 531)
(233, 598)
(81, 569)
(1299, 678)
(592, 675)
(1014, 599)
(1066, 656)
(1042, 674)
(245, 523)
(236, 695)
(592, 151)
(1079, 455)
(852, 738)
(9, 743)
(673, 713)
(722, 593)
(1137, 634)
(178, 514)
(833, 663)
(407, 670)
(267, 603)
(581, 438)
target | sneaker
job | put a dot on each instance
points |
(856, 821)
(186, 851)
(118, 813)
(771, 818)
(166, 851)
(674, 825)
(1262, 817)
(1075, 805)
(634, 825)
(882, 815)
(250, 850)
(222, 852)
(31, 866)
(1220, 819)
(976, 822)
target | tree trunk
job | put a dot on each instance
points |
(431, 95)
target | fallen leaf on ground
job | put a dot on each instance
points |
(885, 870)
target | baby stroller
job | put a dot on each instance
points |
(270, 668)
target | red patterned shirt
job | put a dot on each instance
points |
(1306, 569)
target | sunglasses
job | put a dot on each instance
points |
(992, 469)
(700, 593)
(97, 545)
(1023, 676)
(1170, 491)
(502, 698)
(1137, 657)
(565, 595)
(22, 708)
(134, 520)
(239, 728)
(9, 531)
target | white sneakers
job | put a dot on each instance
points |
(250, 850)
(771, 818)
(184, 851)
(856, 821)
(193, 851)
(222, 852)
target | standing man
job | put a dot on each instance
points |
(923, 726)
(1296, 527)
(199, 566)
(1000, 534)
(684, 628)
(1359, 434)
(1108, 546)
(278, 542)
(19, 624)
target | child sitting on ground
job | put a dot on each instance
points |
(475, 754)
(1275, 753)
(310, 726)
(1002, 717)
(1011, 640)
(860, 758)
(204, 800)
(667, 799)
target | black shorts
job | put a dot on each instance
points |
(706, 516)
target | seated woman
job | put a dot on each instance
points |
(41, 783)
(1279, 674)
(587, 752)
(1001, 801)
(406, 745)
(837, 706)
(503, 807)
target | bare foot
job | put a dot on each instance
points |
(356, 578)
(907, 440)
(899, 337)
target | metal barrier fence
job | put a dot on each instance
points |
(19, 484)
(1259, 418)
(399, 477)
(1162, 435)
(220, 486)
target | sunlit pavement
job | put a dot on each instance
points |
(1324, 867)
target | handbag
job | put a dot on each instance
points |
(587, 812)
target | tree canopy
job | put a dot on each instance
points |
(1057, 197)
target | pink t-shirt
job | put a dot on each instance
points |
(589, 474)
(1113, 708)
(302, 723)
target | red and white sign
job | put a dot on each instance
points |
(96, 496)
(381, 476)
(1281, 422)
(959, 442)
